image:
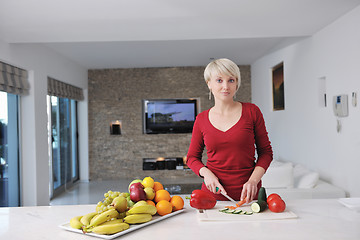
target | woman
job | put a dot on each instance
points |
(229, 130)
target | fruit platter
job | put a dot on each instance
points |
(132, 227)
(147, 202)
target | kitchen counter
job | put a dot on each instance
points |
(317, 219)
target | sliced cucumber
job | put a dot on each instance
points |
(258, 206)
(235, 211)
(230, 211)
(238, 211)
(223, 210)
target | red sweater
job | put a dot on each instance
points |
(231, 154)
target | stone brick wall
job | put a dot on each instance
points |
(116, 94)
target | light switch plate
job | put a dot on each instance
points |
(354, 99)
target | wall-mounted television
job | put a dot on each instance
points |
(161, 116)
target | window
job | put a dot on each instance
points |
(63, 140)
(64, 166)
(13, 84)
(9, 151)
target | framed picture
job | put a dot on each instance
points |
(278, 87)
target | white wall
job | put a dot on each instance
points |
(42, 62)
(305, 132)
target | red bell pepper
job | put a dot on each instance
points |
(202, 200)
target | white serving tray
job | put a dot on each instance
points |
(133, 227)
(214, 215)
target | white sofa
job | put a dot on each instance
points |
(294, 181)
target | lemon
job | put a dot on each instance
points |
(148, 182)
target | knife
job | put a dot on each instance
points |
(227, 196)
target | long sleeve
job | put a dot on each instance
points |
(196, 148)
(263, 146)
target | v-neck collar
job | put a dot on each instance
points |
(233, 126)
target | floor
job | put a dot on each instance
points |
(88, 192)
(93, 191)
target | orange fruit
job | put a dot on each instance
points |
(177, 203)
(157, 186)
(163, 207)
(162, 195)
(150, 202)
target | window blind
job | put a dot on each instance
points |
(13, 80)
(64, 90)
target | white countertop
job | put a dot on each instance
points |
(317, 219)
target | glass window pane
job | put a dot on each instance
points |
(64, 162)
(3, 150)
(65, 140)
(55, 143)
(9, 152)
(74, 147)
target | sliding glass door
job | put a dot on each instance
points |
(64, 164)
(9, 151)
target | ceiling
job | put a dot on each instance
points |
(164, 33)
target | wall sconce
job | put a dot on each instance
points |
(115, 127)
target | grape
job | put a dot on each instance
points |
(107, 201)
(105, 204)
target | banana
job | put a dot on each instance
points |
(109, 228)
(85, 220)
(103, 217)
(138, 218)
(116, 220)
(150, 209)
(75, 222)
(140, 203)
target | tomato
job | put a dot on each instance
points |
(272, 196)
(277, 205)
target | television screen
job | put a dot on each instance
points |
(169, 115)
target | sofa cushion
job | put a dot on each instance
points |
(304, 178)
(279, 175)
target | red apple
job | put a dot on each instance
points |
(135, 185)
(137, 194)
(133, 181)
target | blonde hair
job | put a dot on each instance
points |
(222, 66)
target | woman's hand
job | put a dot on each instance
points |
(211, 181)
(249, 191)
